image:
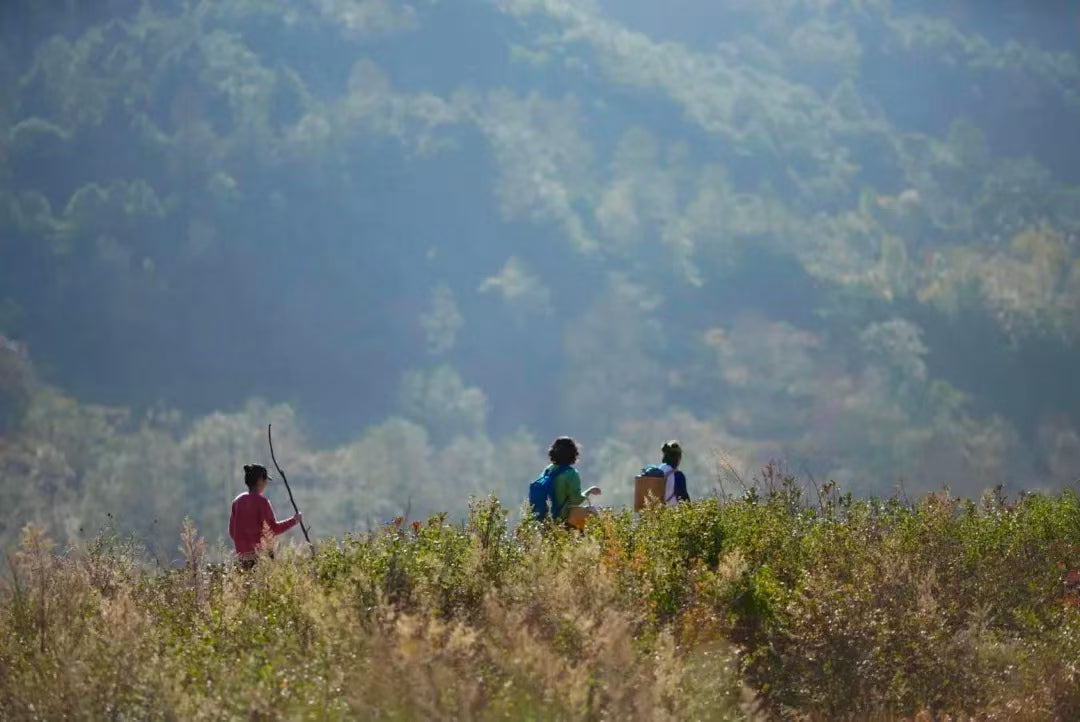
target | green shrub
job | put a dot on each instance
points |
(766, 605)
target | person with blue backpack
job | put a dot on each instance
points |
(558, 489)
(675, 480)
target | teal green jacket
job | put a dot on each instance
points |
(567, 492)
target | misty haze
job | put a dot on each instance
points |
(427, 238)
(832, 242)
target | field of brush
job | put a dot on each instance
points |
(767, 606)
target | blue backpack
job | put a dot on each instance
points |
(542, 493)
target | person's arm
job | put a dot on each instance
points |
(278, 527)
(681, 494)
(232, 523)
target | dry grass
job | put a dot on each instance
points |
(753, 608)
(88, 635)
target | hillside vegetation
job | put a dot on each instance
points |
(770, 605)
(425, 237)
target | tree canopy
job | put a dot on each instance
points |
(429, 236)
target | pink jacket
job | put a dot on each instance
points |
(251, 515)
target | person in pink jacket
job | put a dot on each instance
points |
(252, 516)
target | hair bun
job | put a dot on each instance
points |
(247, 468)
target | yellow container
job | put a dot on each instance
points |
(646, 487)
(577, 515)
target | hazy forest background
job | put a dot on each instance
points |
(424, 238)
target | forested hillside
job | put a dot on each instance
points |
(424, 238)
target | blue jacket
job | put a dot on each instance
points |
(680, 487)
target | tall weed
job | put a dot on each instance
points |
(764, 606)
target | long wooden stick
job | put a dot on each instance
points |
(281, 471)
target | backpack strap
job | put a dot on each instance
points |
(554, 471)
(670, 475)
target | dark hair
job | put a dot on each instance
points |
(672, 452)
(253, 472)
(563, 451)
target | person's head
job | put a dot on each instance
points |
(672, 452)
(563, 451)
(255, 477)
